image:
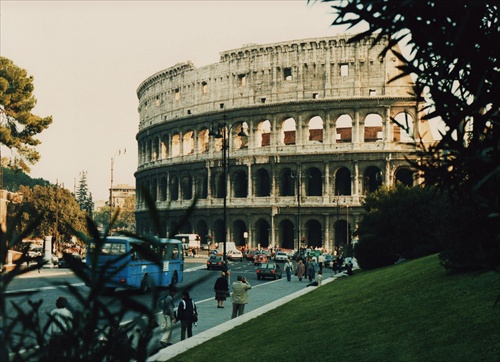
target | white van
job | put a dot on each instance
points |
(229, 247)
(189, 241)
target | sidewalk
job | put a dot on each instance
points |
(262, 299)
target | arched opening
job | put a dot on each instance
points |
(188, 143)
(187, 188)
(373, 128)
(240, 184)
(239, 229)
(286, 234)
(403, 128)
(314, 234)
(174, 189)
(263, 136)
(262, 183)
(218, 185)
(405, 176)
(342, 236)
(314, 182)
(287, 181)
(203, 140)
(343, 182)
(218, 231)
(163, 189)
(262, 232)
(373, 179)
(202, 231)
(154, 189)
(176, 145)
(202, 187)
(288, 132)
(344, 129)
(316, 129)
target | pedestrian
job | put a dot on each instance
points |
(167, 306)
(340, 263)
(39, 261)
(301, 269)
(288, 269)
(321, 262)
(187, 314)
(61, 324)
(221, 289)
(317, 280)
(240, 296)
(310, 269)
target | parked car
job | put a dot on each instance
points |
(259, 259)
(269, 270)
(280, 256)
(63, 262)
(235, 255)
(215, 262)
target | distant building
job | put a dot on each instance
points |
(120, 193)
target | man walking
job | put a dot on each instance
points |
(167, 305)
(240, 296)
(288, 269)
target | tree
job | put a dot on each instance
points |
(125, 219)
(83, 196)
(18, 126)
(402, 222)
(59, 210)
(457, 80)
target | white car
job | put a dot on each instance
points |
(281, 256)
(235, 255)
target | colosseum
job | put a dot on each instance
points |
(276, 144)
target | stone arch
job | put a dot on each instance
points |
(313, 182)
(202, 186)
(154, 189)
(164, 147)
(187, 188)
(263, 135)
(288, 132)
(316, 129)
(344, 129)
(262, 183)
(286, 234)
(188, 143)
(343, 185)
(343, 236)
(155, 149)
(314, 233)
(176, 145)
(217, 184)
(373, 179)
(240, 184)
(163, 189)
(202, 231)
(239, 136)
(373, 128)
(262, 233)
(239, 229)
(218, 230)
(405, 176)
(287, 182)
(203, 140)
(403, 128)
(174, 188)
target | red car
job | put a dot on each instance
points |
(259, 259)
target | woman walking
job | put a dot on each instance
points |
(301, 269)
(221, 288)
(186, 314)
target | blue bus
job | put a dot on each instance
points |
(123, 267)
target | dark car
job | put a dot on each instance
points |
(215, 262)
(258, 259)
(269, 270)
(64, 263)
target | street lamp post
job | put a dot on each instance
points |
(118, 152)
(223, 130)
(296, 176)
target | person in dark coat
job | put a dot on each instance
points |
(221, 289)
(185, 314)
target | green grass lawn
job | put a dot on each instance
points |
(414, 311)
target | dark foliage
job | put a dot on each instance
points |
(12, 179)
(402, 222)
(455, 60)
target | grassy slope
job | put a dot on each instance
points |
(414, 311)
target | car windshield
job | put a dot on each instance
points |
(267, 266)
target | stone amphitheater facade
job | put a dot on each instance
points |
(309, 132)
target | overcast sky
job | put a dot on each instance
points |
(89, 57)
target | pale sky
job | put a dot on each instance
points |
(88, 58)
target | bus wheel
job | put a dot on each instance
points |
(175, 279)
(145, 287)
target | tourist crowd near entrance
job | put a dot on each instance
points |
(309, 130)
